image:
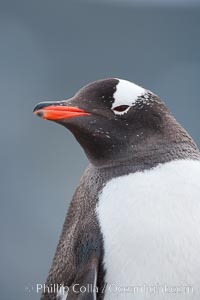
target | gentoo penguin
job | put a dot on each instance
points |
(133, 227)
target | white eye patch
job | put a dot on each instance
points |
(125, 96)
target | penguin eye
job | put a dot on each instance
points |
(121, 108)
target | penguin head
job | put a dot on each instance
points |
(112, 119)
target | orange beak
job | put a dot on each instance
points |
(58, 112)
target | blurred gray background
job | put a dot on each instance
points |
(48, 50)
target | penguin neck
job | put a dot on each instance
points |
(171, 144)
